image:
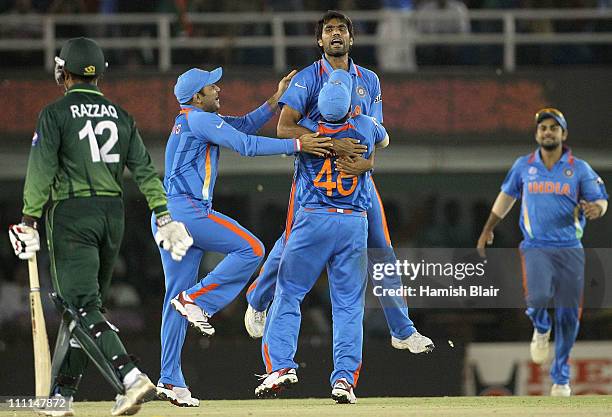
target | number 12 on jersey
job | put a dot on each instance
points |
(101, 154)
(329, 184)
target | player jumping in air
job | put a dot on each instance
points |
(300, 115)
(330, 229)
(192, 157)
(558, 193)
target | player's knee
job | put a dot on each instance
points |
(255, 250)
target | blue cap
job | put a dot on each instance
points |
(192, 81)
(551, 113)
(335, 96)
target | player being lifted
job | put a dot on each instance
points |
(299, 115)
(192, 158)
(557, 191)
(330, 229)
(81, 146)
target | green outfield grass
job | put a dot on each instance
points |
(587, 406)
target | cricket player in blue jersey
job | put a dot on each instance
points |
(558, 193)
(330, 229)
(300, 115)
(192, 157)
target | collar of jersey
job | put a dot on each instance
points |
(84, 88)
(190, 107)
(565, 156)
(329, 69)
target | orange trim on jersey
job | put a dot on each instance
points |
(382, 214)
(207, 174)
(322, 69)
(532, 158)
(356, 375)
(253, 285)
(524, 273)
(186, 112)
(255, 246)
(357, 70)
(203, 291)
(267, 358)
(328, 130)
(289, 221)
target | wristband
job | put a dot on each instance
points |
(30, 221)
(163, 220)
(298, 144)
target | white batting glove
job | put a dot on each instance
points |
(173, 236)
(24, 239)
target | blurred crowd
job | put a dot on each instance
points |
(426, 220)
(145, 6)
(390, 56)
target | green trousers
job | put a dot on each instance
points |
(84, 236)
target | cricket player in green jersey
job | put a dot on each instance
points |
(81, 146)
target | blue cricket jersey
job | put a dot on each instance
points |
(192, 151)
(303, 92)
(550, 209)
(319, 185)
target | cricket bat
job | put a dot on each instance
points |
(42, 357)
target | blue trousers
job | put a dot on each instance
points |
(320, 238)
(261, 291)
(555, 277)
(211, 231)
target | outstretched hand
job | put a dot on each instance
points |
(284, 83)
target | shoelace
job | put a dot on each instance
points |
(259, 316)
(541, 342)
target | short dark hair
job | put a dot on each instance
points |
(332, 14)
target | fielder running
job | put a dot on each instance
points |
(192, 158)
(558, 193)
(299, 115)
(81, 146)
(330, 229)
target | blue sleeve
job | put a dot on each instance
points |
(213, 128)
(251, 122)
(298, 93)
(309, 124)
(513, 184)
(376, 94)
(378, 131)
(591, 185)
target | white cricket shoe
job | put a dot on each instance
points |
(255, 321)
(342, 392)
(194, 314)
(540, 347)
(415, 343)
(67, 412)
(559, 390)
(138, 392)
(276, 382)
(179, 396)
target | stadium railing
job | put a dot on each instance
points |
(165, 42)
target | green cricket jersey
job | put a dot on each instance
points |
(81, 146)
